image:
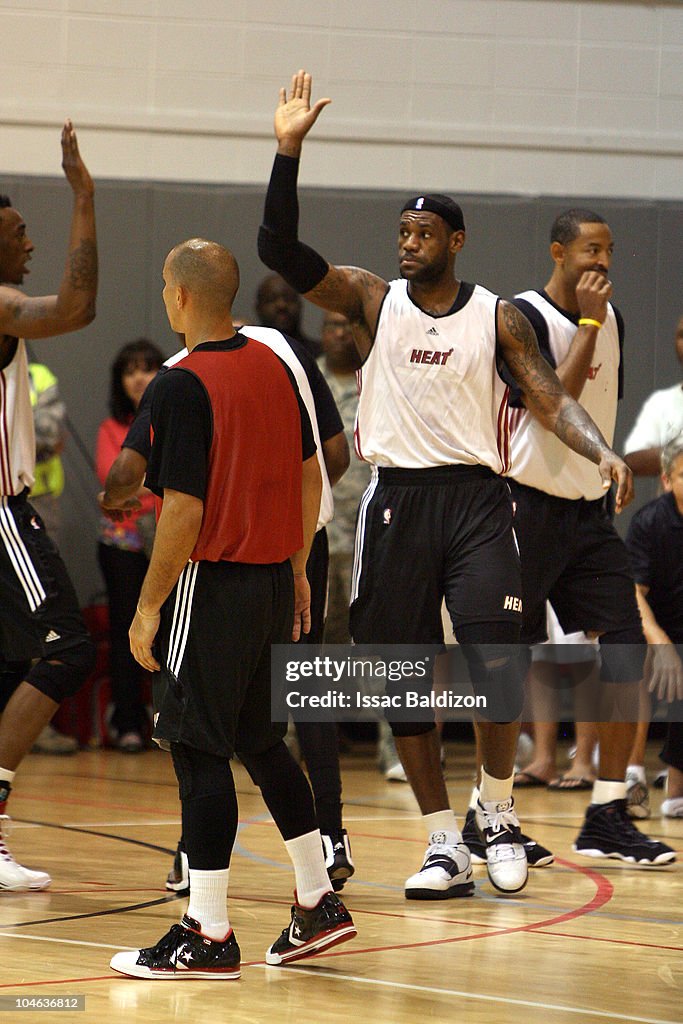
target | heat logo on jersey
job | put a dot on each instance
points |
(386, 517)
(430, 358)
(593, 371)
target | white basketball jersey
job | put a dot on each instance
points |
(430, 394)
(539, 458)
(17, 437)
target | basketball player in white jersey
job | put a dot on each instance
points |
(570, 552)
(45, 650)
(437, 520)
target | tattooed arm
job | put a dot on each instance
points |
(73, 306)
(546, 398)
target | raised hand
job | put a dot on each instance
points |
(294, 116)
(76, 172)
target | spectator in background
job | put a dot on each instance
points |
(279, 306)
(124, 546)
(655, 545)
(49, 415)
(658, 422)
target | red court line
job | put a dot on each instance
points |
(619, 942)
(603, 894)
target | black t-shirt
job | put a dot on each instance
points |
(179, 456)
(538, 322)
(655, 547)
(326, 412)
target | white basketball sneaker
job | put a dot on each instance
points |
(506, 860)
(14, 877)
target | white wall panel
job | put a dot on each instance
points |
(191, 85)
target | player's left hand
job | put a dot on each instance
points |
(612, 468)
(142, 632)
(302, 607)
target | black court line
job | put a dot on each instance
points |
(169, 898)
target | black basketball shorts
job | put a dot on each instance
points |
(428, 535)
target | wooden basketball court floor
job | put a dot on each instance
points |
(587, 940)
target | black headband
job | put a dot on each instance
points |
(444, 206)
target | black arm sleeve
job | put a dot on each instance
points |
(537, 321)
(183, 431)
(278, 243)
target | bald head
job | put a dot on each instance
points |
(207, 271)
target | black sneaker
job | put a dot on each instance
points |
(311, 931)
(608, 831)
(338, 862)
(183, 953)
(178, 878)
(537, 856)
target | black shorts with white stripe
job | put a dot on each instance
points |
(217, 627)
(39, 613)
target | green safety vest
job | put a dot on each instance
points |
(49, 473)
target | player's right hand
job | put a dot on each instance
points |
(294, 116)
(593, 292)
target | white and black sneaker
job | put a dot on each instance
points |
(446, 871)
(338, 861)
(13, 876)
(537, 856)
(183, 953)
(608, 831)
(506, 860)
(178, 878)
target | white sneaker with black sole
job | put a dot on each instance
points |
(446, 871)
(506, 860)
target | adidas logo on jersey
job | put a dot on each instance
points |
(433, 331)
(420, 355)
(52, 636)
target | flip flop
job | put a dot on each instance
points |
(570, 783)
(527, 780)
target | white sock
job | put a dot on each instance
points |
(606, 790)
(672, 807)
(441, 821)
(639, 771)
(493, 790)
(208, 902)
(312, 880)
(474, 798)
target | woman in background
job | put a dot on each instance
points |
(124, 547)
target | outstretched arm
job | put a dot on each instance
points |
(74, 305)
(546, 398)
(352, 291)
